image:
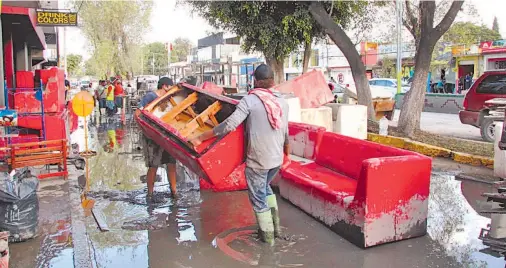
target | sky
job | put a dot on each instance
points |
(169, 22)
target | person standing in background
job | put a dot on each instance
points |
(119, 93)
(109, 98)
(467, 82)
(154, 155)
(100, 95)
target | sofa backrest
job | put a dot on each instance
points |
(345, 154)
(304, 139)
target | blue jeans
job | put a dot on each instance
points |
(259, 186)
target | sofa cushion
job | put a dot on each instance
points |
(304, 139)
(321, 181)
(345, 154)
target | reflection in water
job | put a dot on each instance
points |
(185, 227)
(179, 233)
(114, 167)
(56, 245)
(455, 224)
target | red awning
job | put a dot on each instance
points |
(26, 16)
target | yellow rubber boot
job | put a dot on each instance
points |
(273, 204)
(266, 225)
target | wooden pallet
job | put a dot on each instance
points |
(182, 116)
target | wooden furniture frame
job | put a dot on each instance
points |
(183, 117)
(40, 153)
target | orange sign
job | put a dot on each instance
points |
(83, 103)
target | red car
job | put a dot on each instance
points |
(490, 85)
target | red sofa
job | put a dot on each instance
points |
(368, 193)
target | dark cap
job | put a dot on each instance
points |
(263, 72)
(165, 81)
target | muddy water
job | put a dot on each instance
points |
(183, 232)
(53, 245)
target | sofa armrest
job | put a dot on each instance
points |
(389, 183)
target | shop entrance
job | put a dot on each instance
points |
(464, 70)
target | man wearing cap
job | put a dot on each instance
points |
(266, 115)
(155, 155)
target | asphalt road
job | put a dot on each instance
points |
(445, 124)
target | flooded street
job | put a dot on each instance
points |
(207, 229)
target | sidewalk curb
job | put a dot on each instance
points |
(430, 150)
(82, 248)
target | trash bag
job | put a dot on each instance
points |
(19, 205)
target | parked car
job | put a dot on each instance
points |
(388, 84)
(490, 85)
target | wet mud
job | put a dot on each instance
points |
(184, 231)
(52, 247)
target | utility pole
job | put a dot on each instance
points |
(168, 59)
(65, 48)
(153, 64)
(399, 44)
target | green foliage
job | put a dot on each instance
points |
(467, 33)
(275, 28)
(181, 47)
(114, 30)
(155, 53)
(101, 63)
(460, 33)
(74, 64)
(495, 26)
(387, 68)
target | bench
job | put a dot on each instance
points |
(31, 154)
(368, 193)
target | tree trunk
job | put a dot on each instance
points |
(341, 39)
(414, 100)
(307, 56)
(278, 68)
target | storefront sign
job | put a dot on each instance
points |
(56, 18)
(465, 50)
(497, 46)
(500, 65)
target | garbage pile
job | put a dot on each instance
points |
(19, 204)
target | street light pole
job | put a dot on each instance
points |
(153, 63)
(168, 59)
(399, 45)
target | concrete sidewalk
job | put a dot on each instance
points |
(444, 124)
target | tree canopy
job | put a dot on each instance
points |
(74, 64)
(495, 25)
(467, 33)
(275, 28)
(181, 47)
(114, 30)
(155, 58)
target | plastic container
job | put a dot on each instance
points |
(383, 126)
